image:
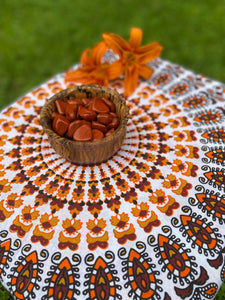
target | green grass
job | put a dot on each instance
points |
(41, 38)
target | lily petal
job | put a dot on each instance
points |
(114, 70)
(89, 80)
(79, 74)
(130, 80)
(144, 71)
(73, 75)
(98, 52)
(86, 57)
(116, 43)
(135, 38)
(148, 47)
(149, 52)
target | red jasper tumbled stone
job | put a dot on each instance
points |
(60, 124)
(110, 132)
(99, 106)
(83, 134)
(86, 113)
(61, 106)
(85, 119)
(104, 118)
(54, 114)
(86, 102)
(75, 100)
(113, 114)
(74, 125)
(113, 124)
(99, 126)
(110, 104)
(71, 111)
(97, 134)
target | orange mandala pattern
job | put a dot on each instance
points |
(131, 226)
(143, 178)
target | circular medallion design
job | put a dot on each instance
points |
(123, 228)
(109, 203)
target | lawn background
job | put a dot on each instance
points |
(41, 38)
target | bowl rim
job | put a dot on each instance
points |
(83, 88)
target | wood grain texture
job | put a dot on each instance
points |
(86, 153)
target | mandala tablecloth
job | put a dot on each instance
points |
(147, 224)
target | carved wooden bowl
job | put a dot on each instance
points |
(91, 152)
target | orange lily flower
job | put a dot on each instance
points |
(92, 70)
(133, 57)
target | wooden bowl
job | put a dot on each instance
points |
(93, 152)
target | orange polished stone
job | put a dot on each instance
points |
(54, 114)
(86, 114)
(113, 114)
(97, 134)
(85, 119)
(75, 100)
(99, 126)
(110, 132)
(86, 102)
(60, 105)
(71, 111)
(74, 125)
(83, 133)
(110, 104)
(104, 118)
(99, 106)
(60, 124)
(114, 123)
